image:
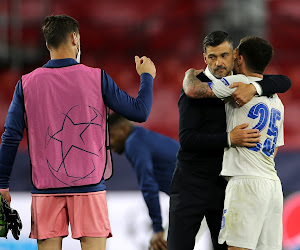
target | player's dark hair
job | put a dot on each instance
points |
(56, 28)
(257, 53)
(215, 38)
(116, 119)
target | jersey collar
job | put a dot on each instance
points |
(58, 63)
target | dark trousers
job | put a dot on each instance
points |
(195, 194)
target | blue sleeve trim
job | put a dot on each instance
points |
(225, 81)
(211, 85)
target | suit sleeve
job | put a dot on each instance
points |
(135, 109)
(272, 84)
(193, 140)
(13, 134)
(140, 157)
(190, 137)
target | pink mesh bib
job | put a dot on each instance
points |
(67, 126)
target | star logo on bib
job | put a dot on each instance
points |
(75, 147)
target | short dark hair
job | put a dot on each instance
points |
(257, 53)
(115, 119)
(215, 38)
(57, 27)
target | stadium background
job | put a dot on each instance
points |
(170, 32)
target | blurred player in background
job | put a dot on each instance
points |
(153, 157)
(63, 106)
(197, 190)
(252, 217)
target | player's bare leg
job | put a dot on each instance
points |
(93, 243)
(50, 244)
(237, 248)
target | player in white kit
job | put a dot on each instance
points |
(252, 216)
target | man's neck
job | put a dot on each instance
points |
(61, 53)
(256, 75)
(247, 72)
(252, 74)
(130, 129)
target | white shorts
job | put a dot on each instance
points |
(252, 216)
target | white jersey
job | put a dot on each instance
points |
(263, 113)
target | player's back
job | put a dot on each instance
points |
(161, 147)
(152, 153)
(265, 114)
(65, 115)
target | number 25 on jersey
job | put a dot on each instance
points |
(262, 111)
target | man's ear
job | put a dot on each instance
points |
(241, 60)
(47, 45)
(74, 39)
(204, 57)
(235, 53)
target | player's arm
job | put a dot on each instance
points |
(13, 134)
(135, 109)
(140, 157)
(269, 85)
(194, 87)
(220, 88)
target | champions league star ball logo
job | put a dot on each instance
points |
(291, 221)
(75, 140)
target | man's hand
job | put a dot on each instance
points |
(240, 136)
(10, 219)
(6, 195)
(145, 65)
(193, 71)
(158, 242)
(244, 93)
